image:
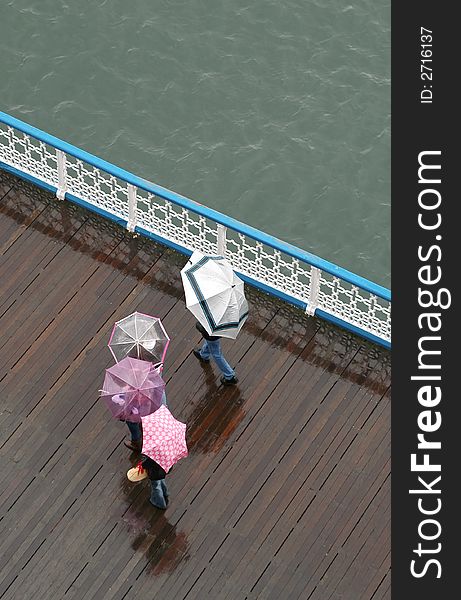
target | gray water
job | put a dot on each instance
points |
(275, 112)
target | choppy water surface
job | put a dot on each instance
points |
(274, 112)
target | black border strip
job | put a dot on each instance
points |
(425, 128)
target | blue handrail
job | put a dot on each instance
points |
(204, 211)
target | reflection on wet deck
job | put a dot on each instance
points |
(286, 492)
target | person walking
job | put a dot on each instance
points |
(211, 348)
(163, 445)
(135, 442)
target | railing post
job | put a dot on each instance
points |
(132, 205)
(221, 245)
(62, 175)
(313, 291)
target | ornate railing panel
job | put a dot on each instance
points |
(304, 279)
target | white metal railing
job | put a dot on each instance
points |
(316, 285)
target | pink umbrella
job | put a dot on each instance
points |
(164, 438)
(132, 389)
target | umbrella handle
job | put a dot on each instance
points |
(159, 368)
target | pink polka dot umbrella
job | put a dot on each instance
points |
(164, 438)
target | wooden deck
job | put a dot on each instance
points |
(286, 492)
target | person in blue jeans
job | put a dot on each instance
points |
(135, 443)
(211, 348)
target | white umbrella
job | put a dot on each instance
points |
(214, 294)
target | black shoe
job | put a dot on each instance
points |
(231, 381)
(199, 356)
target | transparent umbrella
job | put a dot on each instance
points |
(132, 389)
(139, 336)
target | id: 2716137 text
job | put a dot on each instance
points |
(426, 65)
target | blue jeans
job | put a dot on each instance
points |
(213, 350)
(135, 428)
(159, 493)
